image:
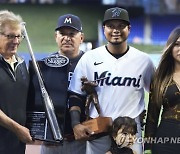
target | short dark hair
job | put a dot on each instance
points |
(127, 123)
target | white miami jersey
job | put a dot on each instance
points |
(121, 93)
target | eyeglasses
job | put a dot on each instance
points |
(12, 37)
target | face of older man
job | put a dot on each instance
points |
(10, 39)
(69, 40)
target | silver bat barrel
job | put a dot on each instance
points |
(49, 107)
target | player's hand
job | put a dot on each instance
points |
(82, 132)
(23, 134)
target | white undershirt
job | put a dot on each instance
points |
(11, 61)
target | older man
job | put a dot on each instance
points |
(14, 82)
(68, 36)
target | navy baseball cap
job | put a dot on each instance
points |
(69, 20)
(116, 13)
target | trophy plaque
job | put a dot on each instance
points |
(39, 127)
(99, 124)
(54, 71)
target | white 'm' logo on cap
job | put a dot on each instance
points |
(68, 20)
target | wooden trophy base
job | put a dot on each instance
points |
(99, 124)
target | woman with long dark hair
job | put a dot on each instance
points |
(165, 95)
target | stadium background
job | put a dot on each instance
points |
(151, 21)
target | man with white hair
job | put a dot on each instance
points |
(14, 84)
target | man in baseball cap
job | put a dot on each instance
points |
(68, 37)
(114, 56)
(116, 13)
(69, 20)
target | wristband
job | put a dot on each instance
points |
(75, 117)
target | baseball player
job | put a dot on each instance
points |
(68, 36)
(126, 72)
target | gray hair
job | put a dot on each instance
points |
(11, 19)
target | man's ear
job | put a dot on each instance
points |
(82, 37)
(129, 27)
(103, 28)
(55, 35)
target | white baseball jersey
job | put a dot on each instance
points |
(121, 93)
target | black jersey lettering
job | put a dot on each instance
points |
(116, 81)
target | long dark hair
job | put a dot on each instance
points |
(165, 69)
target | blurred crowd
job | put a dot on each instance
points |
(34, 1)
(150, 6)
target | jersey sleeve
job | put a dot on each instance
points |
(75, 83)
(75, 93)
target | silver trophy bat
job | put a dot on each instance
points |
(50, 112)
